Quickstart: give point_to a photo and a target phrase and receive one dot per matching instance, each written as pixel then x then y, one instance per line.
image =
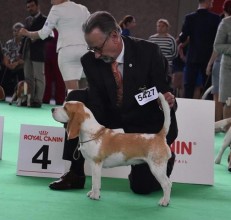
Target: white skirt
pixel 69 62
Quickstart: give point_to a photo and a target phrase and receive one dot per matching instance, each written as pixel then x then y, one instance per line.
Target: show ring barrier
pixel 41 147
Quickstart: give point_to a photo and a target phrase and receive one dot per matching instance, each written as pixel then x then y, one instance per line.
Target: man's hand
pixel 170 98
pixel 23 32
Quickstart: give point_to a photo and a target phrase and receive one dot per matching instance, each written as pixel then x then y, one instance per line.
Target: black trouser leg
pixel 71 152
pixel 142 180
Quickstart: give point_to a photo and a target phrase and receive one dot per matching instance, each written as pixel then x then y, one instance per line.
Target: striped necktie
pixel 119 82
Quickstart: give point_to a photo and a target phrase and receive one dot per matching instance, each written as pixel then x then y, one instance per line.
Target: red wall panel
pixel 217 6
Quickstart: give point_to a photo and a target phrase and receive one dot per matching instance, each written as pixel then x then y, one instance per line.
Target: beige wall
pixel 146 12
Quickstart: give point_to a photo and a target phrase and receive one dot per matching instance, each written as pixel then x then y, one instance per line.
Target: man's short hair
pixel 164 21
pixel 102 20
pixel 29 1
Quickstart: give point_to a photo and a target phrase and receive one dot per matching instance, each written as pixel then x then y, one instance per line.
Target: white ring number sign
pixel 40 151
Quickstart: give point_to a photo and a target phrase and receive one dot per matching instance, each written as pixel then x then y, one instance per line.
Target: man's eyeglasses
pixel 98 49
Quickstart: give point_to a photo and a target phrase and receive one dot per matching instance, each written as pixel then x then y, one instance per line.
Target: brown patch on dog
pixel 133 146
pixel 77 115
pixel 20 89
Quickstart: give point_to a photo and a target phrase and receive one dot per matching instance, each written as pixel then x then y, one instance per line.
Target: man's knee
pixel 142 180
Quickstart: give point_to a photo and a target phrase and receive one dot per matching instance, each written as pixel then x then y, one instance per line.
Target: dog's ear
pixel 73 126
pixel 76 117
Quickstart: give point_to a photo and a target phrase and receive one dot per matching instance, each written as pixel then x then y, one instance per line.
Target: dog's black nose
pixel 52 110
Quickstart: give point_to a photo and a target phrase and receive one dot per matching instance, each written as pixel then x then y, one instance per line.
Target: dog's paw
pixel 93 195
pixel 164 202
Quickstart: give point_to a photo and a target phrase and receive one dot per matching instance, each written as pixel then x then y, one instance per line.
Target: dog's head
pixel 73 113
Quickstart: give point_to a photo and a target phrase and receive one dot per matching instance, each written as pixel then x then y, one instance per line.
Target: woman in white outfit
pixel 67 17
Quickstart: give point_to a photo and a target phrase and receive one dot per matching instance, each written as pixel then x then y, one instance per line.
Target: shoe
pixel 69 180
pixel 35 105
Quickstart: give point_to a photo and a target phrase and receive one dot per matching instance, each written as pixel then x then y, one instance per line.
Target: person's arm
pixel 33 35
pixel 160 74
pixel 6 57
pixel 210 63
pixel 11 65
pixel 174 51
pixel 96 92
pixel 185 31
pixel 220 44
pixel 46 31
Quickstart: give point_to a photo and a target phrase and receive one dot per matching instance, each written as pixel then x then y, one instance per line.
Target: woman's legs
pixel 72 84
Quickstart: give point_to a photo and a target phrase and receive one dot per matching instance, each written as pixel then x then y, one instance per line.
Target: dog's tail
pixel 166 110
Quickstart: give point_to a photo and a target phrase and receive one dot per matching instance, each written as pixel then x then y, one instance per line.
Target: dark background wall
pixel 146 12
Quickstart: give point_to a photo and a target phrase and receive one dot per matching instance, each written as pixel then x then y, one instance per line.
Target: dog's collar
pixel 100 132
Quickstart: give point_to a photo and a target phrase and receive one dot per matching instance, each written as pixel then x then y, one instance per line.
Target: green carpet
pixel 29 198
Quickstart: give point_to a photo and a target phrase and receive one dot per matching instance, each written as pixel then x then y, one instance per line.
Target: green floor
pixel 29 198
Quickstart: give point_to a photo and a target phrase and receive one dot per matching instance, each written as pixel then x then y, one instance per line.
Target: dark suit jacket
pixel 36 47
pixel 144 65
pixel 201 27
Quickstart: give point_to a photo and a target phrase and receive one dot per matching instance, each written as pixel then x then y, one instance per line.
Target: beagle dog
pixel 22 94
pixel 224 126
pixel 107 148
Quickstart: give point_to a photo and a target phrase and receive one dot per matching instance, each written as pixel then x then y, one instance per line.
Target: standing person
pixel 127 24
pixel 67 17
pixel 165 41
pixel 12 61
pixel 113 103
pixel 213 68
pixel 54 80
pixel 201 27
pixel 222 45
pixel 33 54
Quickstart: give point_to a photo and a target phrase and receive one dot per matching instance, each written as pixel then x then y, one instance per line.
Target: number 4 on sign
pixel 43 151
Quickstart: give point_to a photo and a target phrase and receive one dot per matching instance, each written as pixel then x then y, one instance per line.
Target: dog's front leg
pixel 14 97
pixel 28 100
pixel 19 102
pixel 96 169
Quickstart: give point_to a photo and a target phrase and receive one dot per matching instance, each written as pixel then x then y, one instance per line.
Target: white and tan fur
pixel 21 94
pixel 106 148
pixel 224 126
